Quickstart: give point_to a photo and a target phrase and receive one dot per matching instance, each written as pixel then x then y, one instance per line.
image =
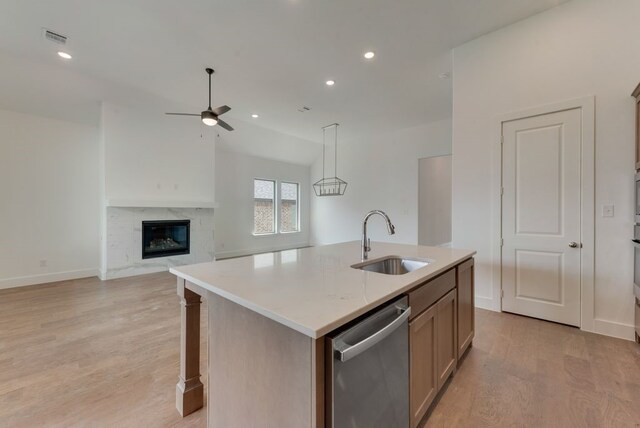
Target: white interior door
pixel 541 216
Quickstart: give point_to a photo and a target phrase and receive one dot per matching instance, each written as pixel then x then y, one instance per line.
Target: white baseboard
pixel 614 329
pixel 221 255
pixel 485 303
pixel 22 281
pixel 604 327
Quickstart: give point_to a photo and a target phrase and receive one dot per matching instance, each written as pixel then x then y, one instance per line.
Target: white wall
pixel 382 173
pixel 234 216
pixel 50 205
pixel 434 201
pixel 151 156
pixel 253 140
pixel 582 48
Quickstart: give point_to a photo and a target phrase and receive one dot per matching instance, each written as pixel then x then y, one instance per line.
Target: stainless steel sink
pixel 392 265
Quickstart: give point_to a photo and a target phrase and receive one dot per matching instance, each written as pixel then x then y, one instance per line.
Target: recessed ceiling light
pixel 369 55
pixel 330 83
pixel 255 116
pixel 64 55
pixel 444 76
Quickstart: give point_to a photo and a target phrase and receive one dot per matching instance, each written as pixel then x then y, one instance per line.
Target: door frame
pixel 587 201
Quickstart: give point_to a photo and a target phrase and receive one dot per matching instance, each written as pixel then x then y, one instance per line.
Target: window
pixel 275 212
pixel 264 207
pixel 289 207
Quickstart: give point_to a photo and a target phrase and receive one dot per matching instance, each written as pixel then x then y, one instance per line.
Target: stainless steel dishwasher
pixel 368 372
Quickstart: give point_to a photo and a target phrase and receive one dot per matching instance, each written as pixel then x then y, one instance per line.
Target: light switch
pixel 607 211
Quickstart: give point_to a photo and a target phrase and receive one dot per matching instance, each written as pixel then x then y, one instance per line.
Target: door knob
pixel 574 245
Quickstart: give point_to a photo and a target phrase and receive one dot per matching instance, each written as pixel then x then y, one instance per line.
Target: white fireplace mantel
pixel 138 203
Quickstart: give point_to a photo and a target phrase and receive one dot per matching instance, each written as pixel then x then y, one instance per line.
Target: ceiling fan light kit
pixel 330 186
pixel 210 116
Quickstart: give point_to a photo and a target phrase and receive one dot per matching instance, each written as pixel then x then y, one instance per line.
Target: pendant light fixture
pixel 330 186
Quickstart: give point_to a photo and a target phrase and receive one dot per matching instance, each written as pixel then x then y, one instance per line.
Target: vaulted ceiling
pixel 271 57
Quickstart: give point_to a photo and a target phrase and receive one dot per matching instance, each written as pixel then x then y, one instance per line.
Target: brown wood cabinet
pixel 441 329
pixel 466 306
pixel 433 341
pixel 636 95
pixel 422 361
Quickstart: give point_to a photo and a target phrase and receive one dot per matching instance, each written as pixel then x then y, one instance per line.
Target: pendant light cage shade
pixel 330 186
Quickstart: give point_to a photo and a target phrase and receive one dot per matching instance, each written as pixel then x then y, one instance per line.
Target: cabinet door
pixel 446 337
pixel 637 320
pixel 466 313
pixel 637 133
pixel 423 384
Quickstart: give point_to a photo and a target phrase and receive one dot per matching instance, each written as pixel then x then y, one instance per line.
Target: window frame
pixel 275 206
pixel 298 227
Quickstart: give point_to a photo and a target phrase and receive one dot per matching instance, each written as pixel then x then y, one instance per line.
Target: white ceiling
pixel 271 56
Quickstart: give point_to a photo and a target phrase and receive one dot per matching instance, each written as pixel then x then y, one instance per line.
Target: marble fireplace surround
pixel 122 249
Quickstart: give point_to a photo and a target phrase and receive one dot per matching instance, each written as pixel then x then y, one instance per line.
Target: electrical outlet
pixel 608 211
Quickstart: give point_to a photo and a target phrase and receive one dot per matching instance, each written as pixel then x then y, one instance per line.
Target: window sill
pixel 276 233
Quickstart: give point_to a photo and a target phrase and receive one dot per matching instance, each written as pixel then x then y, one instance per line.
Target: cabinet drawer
pixel 429 293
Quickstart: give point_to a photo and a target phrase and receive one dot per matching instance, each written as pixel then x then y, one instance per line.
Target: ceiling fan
pixel 210 117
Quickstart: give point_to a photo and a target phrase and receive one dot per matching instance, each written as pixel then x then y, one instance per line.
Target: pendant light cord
pixel 323 150
pixel 335 149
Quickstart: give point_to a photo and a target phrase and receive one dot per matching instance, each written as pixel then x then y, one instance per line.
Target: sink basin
pixel 392 265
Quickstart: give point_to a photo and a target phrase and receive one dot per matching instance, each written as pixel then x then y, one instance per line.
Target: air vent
pixel 54 37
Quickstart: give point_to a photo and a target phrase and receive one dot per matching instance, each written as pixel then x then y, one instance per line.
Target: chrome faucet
pixel 366 242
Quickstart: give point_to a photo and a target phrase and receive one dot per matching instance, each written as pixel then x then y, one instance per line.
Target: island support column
pixel 189 390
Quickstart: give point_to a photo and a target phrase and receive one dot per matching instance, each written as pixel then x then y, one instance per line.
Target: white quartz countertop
pixel 315 290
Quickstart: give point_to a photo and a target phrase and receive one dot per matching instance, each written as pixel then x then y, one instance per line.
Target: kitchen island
pixel 269 315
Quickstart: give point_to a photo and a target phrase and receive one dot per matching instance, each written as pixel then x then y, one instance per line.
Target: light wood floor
pixel 523 372
pixel 91 353
pixel 103 354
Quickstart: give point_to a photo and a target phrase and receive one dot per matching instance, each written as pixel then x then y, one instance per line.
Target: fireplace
pixel 164 238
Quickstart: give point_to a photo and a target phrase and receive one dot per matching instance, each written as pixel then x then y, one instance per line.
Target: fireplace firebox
pixel 162 238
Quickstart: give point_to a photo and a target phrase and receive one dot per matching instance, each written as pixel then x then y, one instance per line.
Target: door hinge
pixel 502 294
pixel 502 242
pixel 502 139
pixel 502 191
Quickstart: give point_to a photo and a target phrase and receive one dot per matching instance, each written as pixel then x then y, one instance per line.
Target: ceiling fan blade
pixel 225 125
pixel 183 114
pixel 221 110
